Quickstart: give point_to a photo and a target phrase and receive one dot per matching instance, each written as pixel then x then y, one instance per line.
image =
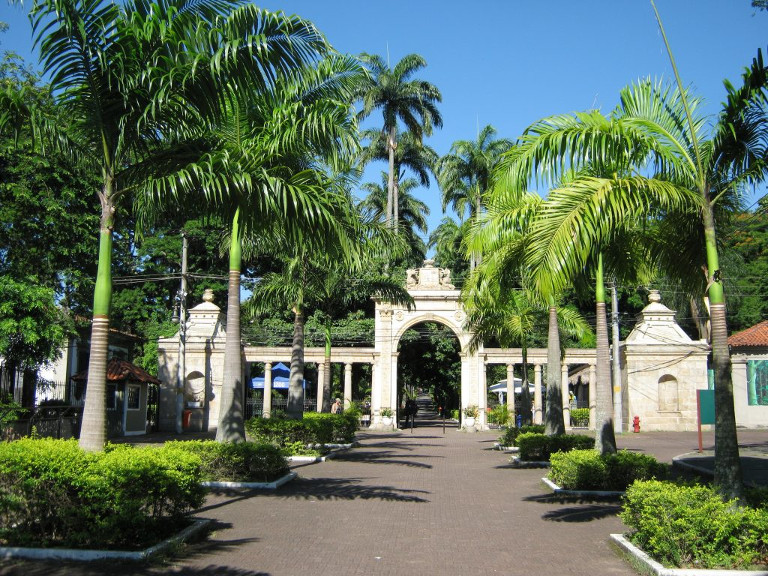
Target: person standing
pixel 336 408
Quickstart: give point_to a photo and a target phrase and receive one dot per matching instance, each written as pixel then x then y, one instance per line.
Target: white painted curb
pixel 563 491
pixel 505 448
pixel 660 570
pixel 332 454
pixel 253 485
pixel 517 463
pixel 90 555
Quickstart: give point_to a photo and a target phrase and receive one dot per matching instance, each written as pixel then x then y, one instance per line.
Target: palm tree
pixel 502 236
pixel 131 77
pixel 410 153
pixel 400 98
pixel 654 124
pixel 412 214
pixel 266 151
pixel 465 173
pixel 447 240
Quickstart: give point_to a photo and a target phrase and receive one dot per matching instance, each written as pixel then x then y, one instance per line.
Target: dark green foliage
pixel 52 493
pixel 241 462
pixel 509 438
pixel 311 429
pixel 589 470
pixel 538 447
pixel 692 526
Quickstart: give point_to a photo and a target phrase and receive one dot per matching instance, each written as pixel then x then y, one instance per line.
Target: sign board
pixel 705 407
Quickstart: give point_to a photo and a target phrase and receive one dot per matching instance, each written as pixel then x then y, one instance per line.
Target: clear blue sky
pixel 510 62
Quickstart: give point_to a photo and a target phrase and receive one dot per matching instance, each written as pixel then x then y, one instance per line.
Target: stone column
pixel 537 415
pixel 266 411
pixel 565 395
pixel 347 385
pixel 511 391
pixel 592 395
pixel 393 388
pixel 320 379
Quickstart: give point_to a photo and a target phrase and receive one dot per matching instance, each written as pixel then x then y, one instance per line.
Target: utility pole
pixel 616 372
pixel 182 295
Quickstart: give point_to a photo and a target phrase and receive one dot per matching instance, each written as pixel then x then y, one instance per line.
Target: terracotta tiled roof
pixel 757 336
pixel 122 371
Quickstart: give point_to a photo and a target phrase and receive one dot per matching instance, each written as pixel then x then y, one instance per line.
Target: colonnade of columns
pixel 267 409
pixel 538 398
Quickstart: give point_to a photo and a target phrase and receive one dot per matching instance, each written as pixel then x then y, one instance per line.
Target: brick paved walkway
pixel 404 503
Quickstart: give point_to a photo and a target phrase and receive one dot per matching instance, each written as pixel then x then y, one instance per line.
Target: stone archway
pixel 435 300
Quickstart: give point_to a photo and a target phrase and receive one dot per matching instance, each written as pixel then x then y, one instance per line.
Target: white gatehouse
pixel 435 300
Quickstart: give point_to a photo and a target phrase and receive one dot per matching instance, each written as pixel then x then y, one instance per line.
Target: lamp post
pixel 181 369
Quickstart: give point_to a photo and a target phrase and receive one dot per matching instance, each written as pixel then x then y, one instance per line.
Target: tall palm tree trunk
pixel 327 375
pixel 391 145
pixel 728 475
pixel 553 420
pixel 526 405
pixel 231 423
pixel 93 431
pixel 295 407
pixel 605 438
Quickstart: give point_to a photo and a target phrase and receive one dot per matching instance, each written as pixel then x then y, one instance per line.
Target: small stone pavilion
pixel 661 369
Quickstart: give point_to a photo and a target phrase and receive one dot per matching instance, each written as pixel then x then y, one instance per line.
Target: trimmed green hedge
pixel 588 470
pixel 241 462
pixel 539 447
pixel 686 526
pixel 509 438
pixel 52 493
pixel 312 429
pixel 580 417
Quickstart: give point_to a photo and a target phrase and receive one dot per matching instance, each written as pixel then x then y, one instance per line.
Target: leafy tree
pixel 447 240
pixel 32 327
pixel 400 98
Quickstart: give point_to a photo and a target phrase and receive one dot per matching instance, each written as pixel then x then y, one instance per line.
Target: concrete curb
pixel 253 485
pixel 517 463
pixel 7 553
pixel 498 446
pixel 585 493
pixel 332 454
pixel 660 570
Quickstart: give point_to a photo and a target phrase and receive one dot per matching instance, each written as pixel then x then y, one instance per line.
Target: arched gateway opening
pixel 435 300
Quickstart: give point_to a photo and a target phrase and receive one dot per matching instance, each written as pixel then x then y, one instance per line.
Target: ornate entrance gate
pixel 435 300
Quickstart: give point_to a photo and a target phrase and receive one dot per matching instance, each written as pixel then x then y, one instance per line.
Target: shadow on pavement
pixel 345 489
pixel 582 513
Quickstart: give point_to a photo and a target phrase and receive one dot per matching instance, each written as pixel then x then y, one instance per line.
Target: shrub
pixel 509 438
pixel 312 429
pixel 455 414
pixel 52 493
pixel 241 462
pixel 538 447
pixel 580 417
pixel 499 415
pixel 588 470
pixel 693 526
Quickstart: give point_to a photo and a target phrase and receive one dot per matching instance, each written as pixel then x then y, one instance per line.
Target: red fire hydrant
pixel 636 424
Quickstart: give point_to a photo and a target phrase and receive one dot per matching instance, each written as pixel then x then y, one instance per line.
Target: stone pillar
pixel 393 388
pixel 320 379
pixel 482 393
pixel 592 395
pixel 537 414
pixel 511 391
pixel 347 385
pixel 566 397
pixel 267 409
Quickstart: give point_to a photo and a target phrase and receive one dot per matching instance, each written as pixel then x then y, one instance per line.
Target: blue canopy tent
pixel 281 378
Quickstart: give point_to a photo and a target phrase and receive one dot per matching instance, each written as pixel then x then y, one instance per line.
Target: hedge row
pixel 692 526
pixel 589 470
pixel 538 447
pixel 312 429
pixel 509 438
pixel 52 493
pixel 242 462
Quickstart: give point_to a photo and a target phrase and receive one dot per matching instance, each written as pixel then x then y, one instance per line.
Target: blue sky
pixel 510 62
